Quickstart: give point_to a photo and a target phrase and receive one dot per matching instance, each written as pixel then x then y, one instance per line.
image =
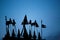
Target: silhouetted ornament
pixel 35 24
pixel 43 26
pixel 25 21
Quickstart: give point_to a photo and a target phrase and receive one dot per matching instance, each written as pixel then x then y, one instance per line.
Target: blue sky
pixel 47 10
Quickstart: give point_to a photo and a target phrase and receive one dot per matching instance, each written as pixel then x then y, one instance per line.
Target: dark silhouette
pixel 30 22
pixel 24 34
pixel 18 33
pixel 34 24
pixel 7 36
pixel 39 37
pixel 24 22
pixel 8 22
pixel 43 25
pixel 30 35
pixel 13 23
pixel 13 35
pixel 34 36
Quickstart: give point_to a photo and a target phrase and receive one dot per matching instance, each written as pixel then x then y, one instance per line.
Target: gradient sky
pixel 47 10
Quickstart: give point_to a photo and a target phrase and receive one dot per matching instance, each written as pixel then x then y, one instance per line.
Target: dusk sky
pixel 47 10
